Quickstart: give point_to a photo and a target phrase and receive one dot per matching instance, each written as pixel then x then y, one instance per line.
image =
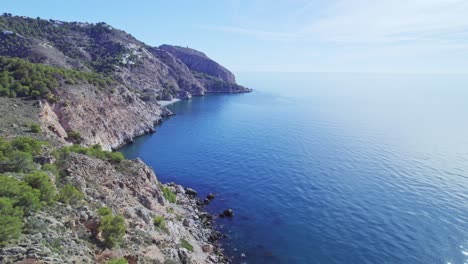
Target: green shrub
pixel 74 136
pixel 17 161
pixel 159 222
pixel 52 168
pixel 5 146
pixel 104 211
pixel 112 228
pixel 94 151
pixel 20 193
pixel 118 261
pixel 41 181
pixel 11 221
pixel 17 155
pixel 169 195
pixel 185 244
pixel 69 195
pixel 35 128
pixel 115 157
pixel 35 225
pixel 28 145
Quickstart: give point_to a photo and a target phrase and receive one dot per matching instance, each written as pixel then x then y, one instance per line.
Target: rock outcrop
pixel 199 62
pixel 110 118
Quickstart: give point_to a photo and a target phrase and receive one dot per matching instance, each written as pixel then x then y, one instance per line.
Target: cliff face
pixel 106 117
pixel 142 75
pixel 199 62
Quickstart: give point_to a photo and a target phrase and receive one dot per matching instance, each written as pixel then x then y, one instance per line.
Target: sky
pixel 383 36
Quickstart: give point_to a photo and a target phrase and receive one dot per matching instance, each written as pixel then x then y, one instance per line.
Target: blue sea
pixel 327 168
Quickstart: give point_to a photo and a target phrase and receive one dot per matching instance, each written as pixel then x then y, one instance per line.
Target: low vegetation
pixel 35 128
pixel 70 195
pixel 94 151
pixel 159 222
pixel 10 221
pixel 17 155
pixel 118 261
pixel 41 181
pixel 185 244
pixel 21 78
pixel 169 195
pixel 74 136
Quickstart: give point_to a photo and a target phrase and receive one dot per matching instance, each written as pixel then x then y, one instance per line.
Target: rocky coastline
pixel 69 234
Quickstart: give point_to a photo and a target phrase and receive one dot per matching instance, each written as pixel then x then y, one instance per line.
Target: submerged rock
pixel 210 196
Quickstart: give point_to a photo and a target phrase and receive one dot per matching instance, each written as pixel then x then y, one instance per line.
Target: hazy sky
pixel 404 36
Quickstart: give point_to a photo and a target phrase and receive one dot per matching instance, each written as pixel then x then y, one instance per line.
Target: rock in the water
pixel 227 213
pixel 190 191
pixel 210 196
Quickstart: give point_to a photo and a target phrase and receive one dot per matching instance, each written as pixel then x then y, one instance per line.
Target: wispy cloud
pixel 366 21
pixel 361 35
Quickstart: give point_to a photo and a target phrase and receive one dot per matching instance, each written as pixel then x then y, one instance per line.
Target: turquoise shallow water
pixel 327 168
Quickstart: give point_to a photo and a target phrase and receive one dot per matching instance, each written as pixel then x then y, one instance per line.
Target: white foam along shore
pixel 166 103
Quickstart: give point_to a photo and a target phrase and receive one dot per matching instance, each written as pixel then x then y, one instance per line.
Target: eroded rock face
pixel 70 234
pixel 199 62
pixel 110 117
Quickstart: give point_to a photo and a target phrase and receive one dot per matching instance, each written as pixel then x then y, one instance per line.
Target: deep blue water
pixel 327 168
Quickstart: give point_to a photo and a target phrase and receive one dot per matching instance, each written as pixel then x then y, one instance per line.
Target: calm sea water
pixel 327 168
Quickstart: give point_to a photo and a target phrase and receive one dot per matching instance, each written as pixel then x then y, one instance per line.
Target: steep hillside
pixel 85 205
pixel 104 49
pixel 100 82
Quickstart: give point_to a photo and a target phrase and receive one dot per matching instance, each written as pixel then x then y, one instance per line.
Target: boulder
pixel 188 222
pixel 227 213
pixel 190 191
pixel 207 248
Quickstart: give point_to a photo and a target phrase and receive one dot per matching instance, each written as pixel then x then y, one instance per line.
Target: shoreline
pixel 202 223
